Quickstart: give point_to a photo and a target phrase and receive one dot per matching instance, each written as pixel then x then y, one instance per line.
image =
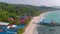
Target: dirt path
pixel 30 28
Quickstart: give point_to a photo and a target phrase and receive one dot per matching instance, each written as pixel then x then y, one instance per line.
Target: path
pixel 30 28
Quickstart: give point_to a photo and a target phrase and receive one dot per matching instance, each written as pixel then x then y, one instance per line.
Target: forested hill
pixel 19 9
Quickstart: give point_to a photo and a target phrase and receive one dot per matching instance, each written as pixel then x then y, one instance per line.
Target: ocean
pixel 42 29
pixel 54 16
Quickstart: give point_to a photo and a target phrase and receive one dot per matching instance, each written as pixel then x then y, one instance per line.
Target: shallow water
pixel 42 29
pixel 54 16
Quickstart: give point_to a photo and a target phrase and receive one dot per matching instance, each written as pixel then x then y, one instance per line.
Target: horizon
pixel 33 5
pixel 49 3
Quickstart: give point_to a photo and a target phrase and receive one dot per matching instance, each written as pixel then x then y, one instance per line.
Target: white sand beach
pixel 30 28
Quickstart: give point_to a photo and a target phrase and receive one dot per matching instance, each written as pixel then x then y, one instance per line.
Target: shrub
pixel 20 31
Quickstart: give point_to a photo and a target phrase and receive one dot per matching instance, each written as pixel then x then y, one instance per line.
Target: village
pixel 7 28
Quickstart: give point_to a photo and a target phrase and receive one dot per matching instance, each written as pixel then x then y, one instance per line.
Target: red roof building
pixel 22 20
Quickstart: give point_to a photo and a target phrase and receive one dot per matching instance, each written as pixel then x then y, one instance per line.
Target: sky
pixel 34 2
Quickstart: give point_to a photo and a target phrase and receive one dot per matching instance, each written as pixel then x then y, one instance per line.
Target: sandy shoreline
pixel 30 28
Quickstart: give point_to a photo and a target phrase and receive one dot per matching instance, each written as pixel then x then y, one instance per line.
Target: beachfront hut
pixel 3 26
pixel 22 21
pixel 4 30
pixel 4 23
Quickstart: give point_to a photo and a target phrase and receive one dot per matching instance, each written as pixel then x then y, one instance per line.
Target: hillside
pixel 13 10
pixel 19 9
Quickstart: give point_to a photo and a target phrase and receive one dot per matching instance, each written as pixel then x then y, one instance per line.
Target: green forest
pixel 13 10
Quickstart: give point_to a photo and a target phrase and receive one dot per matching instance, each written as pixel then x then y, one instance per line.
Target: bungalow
pixel 4 28
pixel 4 23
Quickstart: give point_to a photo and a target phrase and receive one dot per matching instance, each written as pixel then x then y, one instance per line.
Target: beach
pixel 32 25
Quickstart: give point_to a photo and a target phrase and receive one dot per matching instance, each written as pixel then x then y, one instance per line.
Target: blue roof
pixel 7 31
pixel 2 27
pixel 12 30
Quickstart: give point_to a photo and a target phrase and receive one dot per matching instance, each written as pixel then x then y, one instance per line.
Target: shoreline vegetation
pixel 33 23
pixel 13 12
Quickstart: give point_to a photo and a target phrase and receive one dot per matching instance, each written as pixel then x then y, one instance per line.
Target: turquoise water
pixel 54 16
pixel 51 16
pixel 43 29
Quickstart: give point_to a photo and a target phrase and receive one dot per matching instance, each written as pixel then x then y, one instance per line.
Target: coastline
pixel 30 28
